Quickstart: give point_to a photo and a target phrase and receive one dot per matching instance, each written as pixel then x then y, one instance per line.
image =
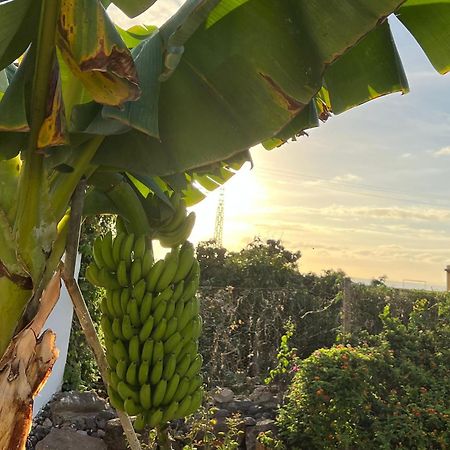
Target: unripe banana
pixel 117 329
pixel 126 249
pixel 177 218
pixel 122 276
pixel 172 386
pixel 108 280
pixel 179 288
pixel 168 314
pixel 106 249
pixel 182 390
pixel 196 401
pixel 144 369
pixel 154 274
pixel 116 247
pixel 126 391
pixel 160 310
pixel 178 236
pixel 197 325
pixel 159 331
pixel 146 329
pixel 170 412
pixel 97 253
pixel 170 268
pixel 139 247
pixel 124 298
pixel 158 352
pixel 115 400
pixel 186 316
pixel 113 379
pixel 161 297
pixel 156 373
pixel 170 364
pixel 190 347
pixel 92 274
pixel 133 312
pixel 179 308
pixel 131 375
pixel 119 350
pixel 147 350
pixel 171 328
pixel 189 290
pixel 105 323
pixel 145 396
pixel 172 342
pixel 139 291
pixel 116 303
pixel 111 360
pixel 136 271
pixel 196 382
pixel 109 304
pixel 128 330
pixel 146 307
pixel 139 422
pixel 121 368
pixel 147 263
pixel 159 392
pixel 184 407
pixel 154 418
pixel 132 408
pixel 134 349
pixel 183 365
pixel 195 366
pixel 104 308
pixel 185 261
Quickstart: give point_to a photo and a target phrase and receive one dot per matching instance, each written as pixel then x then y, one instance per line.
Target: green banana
pixel 126 249
pixel 182 389
pixel 156 372
pixel 111 360
pixel 128 331
pixel 145 396
pixel 154 274
pixel 132 408
pixel 163 296
pixel 146 307
pixel 109 304
pixel 106 251
pixel 146 329
pixel 134 349
pixel 172 386
pixel 178 236
pixel 183 365
pixel 126 391
pixel 170 268
pixel 131 375
pixel 116 303
pixel 147 350
pixel 119 350
pixel 139 422
pixel 104 307
pixel 105 323
pixel 170 364
pixel 124 297
pixel 159 392
pixel 196 401
pixel 171 328
pixel 168 314
pixel 121 368
pixel 177 218
pixel 117 328
pixel 185 261
pixel 170 412
pixel 195 366
pixel 172 342
pixel 115 400
pixel 113 379
pixel 143 372
pixel 116 246
pixel 190 347
pixel 158 352
pixel 97 253
pixel 122 276
pixel 196 382
pixel 160 310
pixel 154 418
pixel 179 288
pixel 133 312
pixel 189 290
pixel 183 408
pixel 147 263
pixel 136 271
pixel 108 280
pixel 159 331
pixel 139 247
pixel 186 316
pixel 139 291
pixel 92 274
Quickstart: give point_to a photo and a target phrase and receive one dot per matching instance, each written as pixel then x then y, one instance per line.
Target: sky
pixel 368 192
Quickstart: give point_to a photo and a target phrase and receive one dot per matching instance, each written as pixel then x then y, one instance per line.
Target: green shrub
pixel 390 391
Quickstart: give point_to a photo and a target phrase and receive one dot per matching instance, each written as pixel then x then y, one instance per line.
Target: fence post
pixel 346 306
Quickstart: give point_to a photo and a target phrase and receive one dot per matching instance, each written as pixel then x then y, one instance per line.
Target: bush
pixel 389 391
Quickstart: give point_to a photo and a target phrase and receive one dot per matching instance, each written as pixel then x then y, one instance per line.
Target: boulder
pixel 223 395
pixel 68 439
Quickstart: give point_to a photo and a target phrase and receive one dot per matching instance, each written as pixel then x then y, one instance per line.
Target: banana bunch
pixel 174 225
pixel 151 323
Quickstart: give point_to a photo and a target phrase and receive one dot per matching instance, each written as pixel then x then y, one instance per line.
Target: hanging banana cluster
pixel 151 324
pixel 172 225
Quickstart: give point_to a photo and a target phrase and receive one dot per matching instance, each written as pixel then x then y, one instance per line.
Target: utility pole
pixel 218 229
pixel 447 269
pixel 346 306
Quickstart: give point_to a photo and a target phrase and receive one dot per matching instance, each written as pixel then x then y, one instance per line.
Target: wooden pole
pixel 80 307
pixel 346 306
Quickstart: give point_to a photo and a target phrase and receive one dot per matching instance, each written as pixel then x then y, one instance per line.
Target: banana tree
pixel 148 110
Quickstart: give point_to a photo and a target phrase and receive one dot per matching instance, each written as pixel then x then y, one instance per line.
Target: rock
pixel 249 421
pixel 69 440
pixel 223 395
pixel 266 425
pixel 47 423
pixel 114 437
pixel 222 413
pixel 263 394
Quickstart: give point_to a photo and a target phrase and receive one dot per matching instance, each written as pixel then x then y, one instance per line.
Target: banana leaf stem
pixel 163 437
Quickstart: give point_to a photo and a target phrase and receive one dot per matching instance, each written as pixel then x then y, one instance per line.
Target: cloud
pixel 444 151
pixel 347 178
pixel 406 155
